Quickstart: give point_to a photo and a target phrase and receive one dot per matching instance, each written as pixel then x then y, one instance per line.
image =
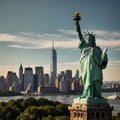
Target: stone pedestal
pixel 90 110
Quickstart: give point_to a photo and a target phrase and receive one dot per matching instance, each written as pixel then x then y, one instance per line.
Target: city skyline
pixel 27 29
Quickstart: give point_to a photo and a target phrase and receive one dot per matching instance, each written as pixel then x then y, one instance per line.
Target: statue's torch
pixel 76 19
pixel 77 16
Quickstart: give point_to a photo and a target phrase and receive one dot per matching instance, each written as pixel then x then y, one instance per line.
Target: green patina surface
pixel 92 61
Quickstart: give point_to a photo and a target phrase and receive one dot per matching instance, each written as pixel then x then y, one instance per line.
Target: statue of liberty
pixel 92 61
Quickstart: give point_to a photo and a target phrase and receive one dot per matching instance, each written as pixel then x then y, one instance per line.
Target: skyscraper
pixel 39 71
pixel 77 74
pixel 46 79
pixel 53 65
pixel 35 82
pixel 2 83
pixel 10 79
pixel 21 76
pixel 28 79
pixel 69 75
pixel 69 78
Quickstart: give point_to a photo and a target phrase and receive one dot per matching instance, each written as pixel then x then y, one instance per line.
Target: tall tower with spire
pixel 21 76
pixel 53 65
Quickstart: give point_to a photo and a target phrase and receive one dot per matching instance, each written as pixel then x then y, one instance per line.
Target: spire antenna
pixel 52 44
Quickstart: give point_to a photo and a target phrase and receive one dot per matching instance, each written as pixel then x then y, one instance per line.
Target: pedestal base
pixel 89 111
pixel 90 101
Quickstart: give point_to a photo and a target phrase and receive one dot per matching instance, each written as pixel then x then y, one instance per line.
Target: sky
pixel 28 27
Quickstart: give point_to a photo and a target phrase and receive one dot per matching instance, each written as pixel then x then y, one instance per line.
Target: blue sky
pixel 28 27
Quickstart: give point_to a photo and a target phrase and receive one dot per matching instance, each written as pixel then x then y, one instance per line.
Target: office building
pixel 62 74
pixel 46 79
pixel 21 77
pixel 69 78
pixel 53 65
pixel 10 79
pixel 15 87
pixel 35 82
pixel 39 71
pixel 2 83
pixel 63 85
pixel 28 79
pixel 57 85
pixel 77 74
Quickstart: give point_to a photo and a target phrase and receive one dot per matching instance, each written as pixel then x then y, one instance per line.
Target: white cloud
pixel 63 39
pixel 109 34
pixel 108 43
pixel 69 32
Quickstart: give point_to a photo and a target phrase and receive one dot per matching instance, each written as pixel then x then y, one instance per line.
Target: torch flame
pixel 77 13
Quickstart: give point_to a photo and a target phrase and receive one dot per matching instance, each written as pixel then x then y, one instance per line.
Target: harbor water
pixel 66 99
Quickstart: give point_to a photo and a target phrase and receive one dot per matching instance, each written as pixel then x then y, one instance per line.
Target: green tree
pixel 32 109
pixel 118 116
pixel 24 117
pixel 48 118
pixel 43 102
pixel 113 117
pixel 56 118
pixel 9 113
pixel 50 110
pixel 62 118
pixel 30 102
pixel 32 113
pixel 63 109
pixel 15 104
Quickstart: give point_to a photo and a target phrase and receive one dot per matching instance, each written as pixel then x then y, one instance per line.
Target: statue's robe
pixel 91 65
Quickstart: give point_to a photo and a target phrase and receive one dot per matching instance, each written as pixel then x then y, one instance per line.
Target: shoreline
pixel 6 93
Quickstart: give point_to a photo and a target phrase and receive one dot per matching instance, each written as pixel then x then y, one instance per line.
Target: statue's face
pixel 90 40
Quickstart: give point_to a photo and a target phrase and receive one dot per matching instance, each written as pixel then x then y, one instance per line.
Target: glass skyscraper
pixel 53 65
pixel 28 79
pixel 21 76
pixel 39 71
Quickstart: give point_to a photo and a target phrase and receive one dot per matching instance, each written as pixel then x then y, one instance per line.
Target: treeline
pixel 117 117
pixel 33 109
pixel 8 93
pixel 36 109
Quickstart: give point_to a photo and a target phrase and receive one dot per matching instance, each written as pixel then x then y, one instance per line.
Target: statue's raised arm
pixel 76 19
